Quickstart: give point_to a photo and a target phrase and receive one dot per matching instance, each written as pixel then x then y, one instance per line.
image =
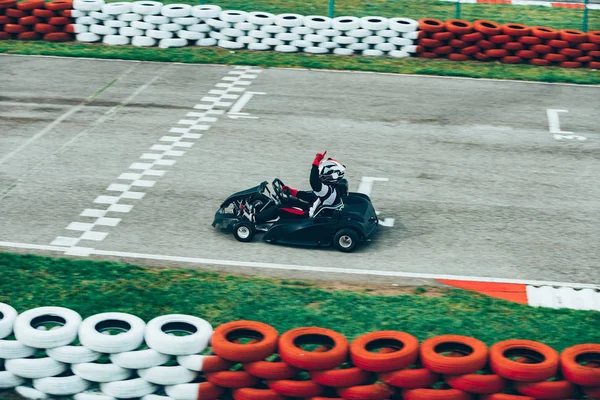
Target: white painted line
pixel 120 208
pixel 191 135
pixel 154 172
pixel 179 130
pixel 165 162
pixel 94 213
pixel 553 120
pixel 106 221
pixel 151 156
pixel 143 183
pixel 80 226
pixel 130 176
pixel 174 153
pixel 117 187
pixel 305 268
pixel 161 147
pixel 65 241
pixel 133 195
pixel 241 103
pixel 143 166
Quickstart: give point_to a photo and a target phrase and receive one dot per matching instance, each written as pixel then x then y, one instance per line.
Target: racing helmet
pixel 331 171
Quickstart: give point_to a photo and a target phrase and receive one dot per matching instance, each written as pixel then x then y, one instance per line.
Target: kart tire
pixel 345 240
pixel 404 352
pixel 503 365
pixel 244 231
pixel 256 394
pixel 573 364
pixel 224 345
pixel 186 391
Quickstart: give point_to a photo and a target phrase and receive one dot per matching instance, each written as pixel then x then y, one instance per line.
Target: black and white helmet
pixel 331 171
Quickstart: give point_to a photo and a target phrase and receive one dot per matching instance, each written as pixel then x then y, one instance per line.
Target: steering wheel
pixel 278 190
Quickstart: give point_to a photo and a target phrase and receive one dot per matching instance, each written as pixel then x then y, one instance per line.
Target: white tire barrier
pixel 143 41
pixel 176 10
pixel 167 375
pixel 101 16
pixel 116 8
pixel 143 25
pixel 358 46
pixel 103 30
pixel 287 36
pixel 101 372
pixel 61 386
pixel 260 18
pixel 186 391
pixel 78 13
pixel 399 54
pixel 374 23
pixel 8 315
pixel 286 48
pixel 245 26
pixel 139 359
pixel 329 45
pixel 88 5
pixel 116 40
pixel 130 17
pixel 346 23
pixel 258 34
pixel 328 32
pixel 273 29
pixel 344 40
pixel 302 30
pixel 73 354
pixel 410 49
pixel 157 19
pixel 301 43
pixel 219 36
pixel 343 51
pixel 232 16
pixel 272 42
pixel 317 22
pixel 246 40
pixel 217 23
pixel 206 11
pixel 33 368
pixel 403 24
pixel 259 46
pixel 130 31
pixel 189 35
pixel 359 33
pixel 202 27
pixel 198 331
pixel 26 323
pixel 78 28
pixel 86 20
pixel 316 50
pixel 373 40
pixel 157 34
pixel 387 33
pixel 92 395
pixel 186 21
pixel 315 38
pixel 30 393
pixel 400 41
pixel 88 37
pixel 233 32
pixel 289 20
pixel 8 380
pixel 127 389
pixel 206 42
pixel 172 42
pixel 372 52
pixel 146 7
pixel 411 35
pixel 385 47
pixel 170 27
pixel 230 44
pixel 115 23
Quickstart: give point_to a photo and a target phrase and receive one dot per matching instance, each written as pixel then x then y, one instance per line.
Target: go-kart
pixel 343 226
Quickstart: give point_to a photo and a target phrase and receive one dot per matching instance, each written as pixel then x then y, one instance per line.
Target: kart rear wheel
pixel 244 231
pixel 345 240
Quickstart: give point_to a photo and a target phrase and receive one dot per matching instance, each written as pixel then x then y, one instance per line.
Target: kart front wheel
pixel 244 231
pixel 345 240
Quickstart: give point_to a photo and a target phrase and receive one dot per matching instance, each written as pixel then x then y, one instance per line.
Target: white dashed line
pixel 167 146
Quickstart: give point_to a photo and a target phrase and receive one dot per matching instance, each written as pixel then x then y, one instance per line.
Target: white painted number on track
pixel 554 126
pixel 366 187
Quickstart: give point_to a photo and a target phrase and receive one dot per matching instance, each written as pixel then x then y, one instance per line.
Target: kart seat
pixel 328 211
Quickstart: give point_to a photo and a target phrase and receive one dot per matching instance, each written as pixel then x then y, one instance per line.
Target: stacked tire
pixel 36 20
pixel 485 40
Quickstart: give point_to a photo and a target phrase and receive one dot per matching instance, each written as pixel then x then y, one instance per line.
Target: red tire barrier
pixel 573 36
pixel 29 20
pixel 579 364
pixel 502 396
pixel 431 43
pixel 474 354
pixel 544 369
pixel 428 54
pixel 569 52
pixel 43 13
pixel 30 4
pixel 468 51
pixel 458 57
pixel 513 46
pixel 487 27
pixel 231 379
pixel 296 388
pixel 15 13
pixel 539 62
pixel 255 394
pixel 5 36
pixel 216 364
pixel 45 28
pixel 556 390
pixel 530 40
pixel 208 391
pixel 29 36
pixel 588 46
pixel 476 383
pixel 500 39
pixel 59 21
pixel 341 377
pixel 458 44
pixel 472 37
pixel 7 3
pixel 6 20
pixel 410 378
pixel 376 391
pixel 541 48
pixel 594 37
pixel 516 29
pixel 511 60
pixel 271 370
pixel 555 58
pixel 486 44
pixel 594 53
pixel 431 25
pixel 482 56
pixel 543 32
pixel 225 341
pixel 592 392
pixel 291 352
pixel 584 59
pixel 526 54
pixel 405 346
pixel 558 43
pixel 444 35
pixel 459 26
pixel 14 28
pixel 443 50
pixel 435 394
pixel 56 5
pixel 496 53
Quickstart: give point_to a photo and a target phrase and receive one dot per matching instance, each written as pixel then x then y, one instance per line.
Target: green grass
pixel 214 55
pixel 91 287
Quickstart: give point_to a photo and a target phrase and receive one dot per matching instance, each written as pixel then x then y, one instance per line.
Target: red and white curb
pixel 580 296
pixel 530 3
pixel 144 174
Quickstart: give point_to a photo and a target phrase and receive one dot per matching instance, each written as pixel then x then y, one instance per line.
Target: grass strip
pixel 214 55
pixel 91 287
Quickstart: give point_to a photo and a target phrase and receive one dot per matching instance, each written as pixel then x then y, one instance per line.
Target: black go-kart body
pixel 343 226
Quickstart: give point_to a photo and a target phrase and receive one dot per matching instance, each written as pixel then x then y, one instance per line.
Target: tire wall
pixel 53 351
pixel 151 23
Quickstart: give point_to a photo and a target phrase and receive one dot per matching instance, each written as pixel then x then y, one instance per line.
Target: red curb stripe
pixel 514 292
pixel 568 5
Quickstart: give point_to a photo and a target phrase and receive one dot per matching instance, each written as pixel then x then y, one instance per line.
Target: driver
pixel 324 174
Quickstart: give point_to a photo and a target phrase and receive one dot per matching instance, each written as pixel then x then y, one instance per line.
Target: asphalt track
pixel 479 177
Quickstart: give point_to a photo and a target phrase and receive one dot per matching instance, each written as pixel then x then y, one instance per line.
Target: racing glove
pixel 318 158
pixel 290 190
